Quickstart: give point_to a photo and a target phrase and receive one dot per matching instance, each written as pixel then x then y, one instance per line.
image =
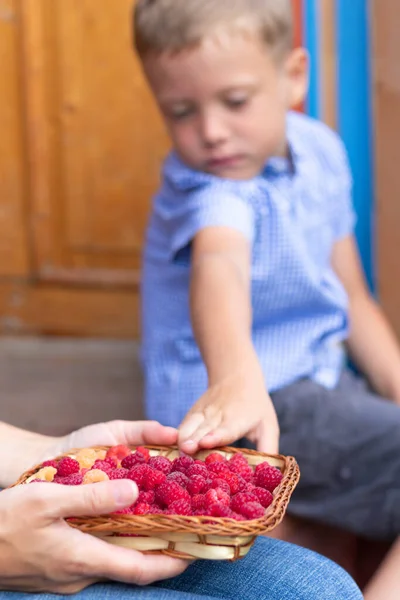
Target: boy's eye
pixel 237 102
pixel 180 113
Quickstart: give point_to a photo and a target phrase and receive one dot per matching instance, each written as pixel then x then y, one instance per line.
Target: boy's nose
pixel 213 130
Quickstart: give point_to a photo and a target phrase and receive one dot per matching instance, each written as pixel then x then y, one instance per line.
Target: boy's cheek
pixel 187 145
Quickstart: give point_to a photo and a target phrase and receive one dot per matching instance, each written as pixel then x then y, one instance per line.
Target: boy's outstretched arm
pixel 237 403
pixel 372 343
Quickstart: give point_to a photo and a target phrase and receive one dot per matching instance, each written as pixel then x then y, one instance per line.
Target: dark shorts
pixel 347 443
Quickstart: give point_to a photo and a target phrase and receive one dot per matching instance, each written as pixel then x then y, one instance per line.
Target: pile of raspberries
pixel 216 487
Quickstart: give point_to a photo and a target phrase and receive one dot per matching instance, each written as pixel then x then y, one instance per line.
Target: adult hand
pixel 114 433
pixel 39 552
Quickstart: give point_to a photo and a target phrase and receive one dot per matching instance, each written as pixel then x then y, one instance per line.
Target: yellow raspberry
pixel 46 474
pixel 95 476
pixel 101 454
pixel 86 458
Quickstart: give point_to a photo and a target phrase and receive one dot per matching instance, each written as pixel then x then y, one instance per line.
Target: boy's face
pixel 225 102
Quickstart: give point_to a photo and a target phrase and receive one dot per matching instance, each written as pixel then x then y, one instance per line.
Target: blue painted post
pixel 355 116
pixel 311 42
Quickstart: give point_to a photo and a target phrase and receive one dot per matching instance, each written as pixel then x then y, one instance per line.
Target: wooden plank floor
pixel 54 386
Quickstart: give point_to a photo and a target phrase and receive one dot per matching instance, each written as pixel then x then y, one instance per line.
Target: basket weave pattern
pixel 197 536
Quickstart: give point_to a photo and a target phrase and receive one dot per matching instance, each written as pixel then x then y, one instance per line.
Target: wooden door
pixel 86 147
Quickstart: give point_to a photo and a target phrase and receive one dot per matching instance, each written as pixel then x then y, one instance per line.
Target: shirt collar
pixel 287 165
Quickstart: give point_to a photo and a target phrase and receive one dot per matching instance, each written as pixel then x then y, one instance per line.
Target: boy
pixel 251 280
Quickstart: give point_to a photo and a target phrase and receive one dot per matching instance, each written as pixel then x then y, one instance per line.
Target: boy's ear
pixel 297 71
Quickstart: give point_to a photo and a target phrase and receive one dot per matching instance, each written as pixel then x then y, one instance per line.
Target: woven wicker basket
pixel 191 537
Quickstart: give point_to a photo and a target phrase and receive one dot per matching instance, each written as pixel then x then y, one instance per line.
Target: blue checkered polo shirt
pixel 292 214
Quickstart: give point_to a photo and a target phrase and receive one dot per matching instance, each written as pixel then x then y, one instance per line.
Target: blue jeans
pixel 273 570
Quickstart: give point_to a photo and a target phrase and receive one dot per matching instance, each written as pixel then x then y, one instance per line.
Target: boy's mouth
pixel 225 162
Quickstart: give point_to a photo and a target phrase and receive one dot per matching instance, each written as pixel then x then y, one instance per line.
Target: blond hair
pixel 174 25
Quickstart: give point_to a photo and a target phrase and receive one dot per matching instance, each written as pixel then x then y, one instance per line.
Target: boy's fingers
pixel 268 439
pixel 219 437
pixel 266 435
pixel 190 424
pixel 190 444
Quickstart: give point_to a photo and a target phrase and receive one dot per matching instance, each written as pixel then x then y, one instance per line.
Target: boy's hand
pixel 238 406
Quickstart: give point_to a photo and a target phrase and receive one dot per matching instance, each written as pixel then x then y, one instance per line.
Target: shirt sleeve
pixel 212 206
pixel 344 215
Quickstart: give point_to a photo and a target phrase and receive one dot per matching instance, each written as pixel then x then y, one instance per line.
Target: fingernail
pixel 125 492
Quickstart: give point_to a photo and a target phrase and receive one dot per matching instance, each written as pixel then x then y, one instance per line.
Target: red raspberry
pixel 73 479
pixel 147 497
pixel 179 478
pixel 242 483
pixel 153 479
pixel 214 457
pixel 133 460
pixel 235 482
pixel 118 474
pixel 67 466
pixel 268 478
pixel 217 497
pixel 221 484
pixel 253 510
pixel 138 474
pixel 198 502
pixel 103 465
pixel 111 461
pixel 182 463
pixel 145 452
pixel 141 509
pixel 50 463
pixel 238 457
pixel 238 517
pixel 196 485
pixel 241 499
pixel 160 463
pixel 265 497
pixel 123 511
pixel 155 510
pixel 199 462
pixel 261 466
pixel 180 507
pixel 241 468
pixel 118 453
pixel 207 485
pixel 221 510
pixel 170 491
pixel 197 469
pixel 218 467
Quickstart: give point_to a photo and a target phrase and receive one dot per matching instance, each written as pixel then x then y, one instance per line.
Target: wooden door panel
pixel 13 240
pixel 104 139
